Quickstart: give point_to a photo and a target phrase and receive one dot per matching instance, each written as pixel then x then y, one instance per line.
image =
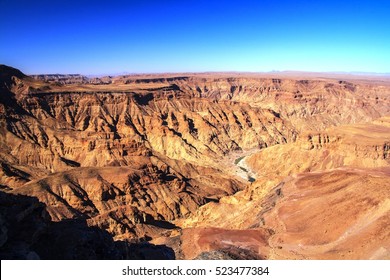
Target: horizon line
pixel 125 73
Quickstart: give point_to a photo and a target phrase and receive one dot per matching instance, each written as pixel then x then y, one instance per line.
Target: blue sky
pixel 108 37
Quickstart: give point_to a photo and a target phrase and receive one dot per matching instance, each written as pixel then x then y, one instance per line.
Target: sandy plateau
pixel 194 166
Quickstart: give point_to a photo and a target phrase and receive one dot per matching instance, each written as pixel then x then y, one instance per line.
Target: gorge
pixel 194 166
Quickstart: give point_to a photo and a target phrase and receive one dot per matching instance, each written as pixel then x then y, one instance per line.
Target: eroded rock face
pixel 107 129
pixel 132 160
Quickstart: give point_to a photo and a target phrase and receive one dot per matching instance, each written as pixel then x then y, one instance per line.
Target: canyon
pixel 194 166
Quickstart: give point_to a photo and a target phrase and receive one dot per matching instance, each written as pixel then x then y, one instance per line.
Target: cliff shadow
pixel 27 232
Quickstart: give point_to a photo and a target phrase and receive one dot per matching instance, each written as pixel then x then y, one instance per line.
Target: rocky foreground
pixel 200 166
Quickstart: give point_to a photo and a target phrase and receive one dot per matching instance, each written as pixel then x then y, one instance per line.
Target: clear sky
pixel 110 37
